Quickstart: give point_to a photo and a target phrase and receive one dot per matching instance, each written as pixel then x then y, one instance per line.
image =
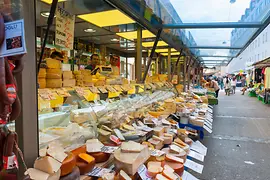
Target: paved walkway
pixel 239 147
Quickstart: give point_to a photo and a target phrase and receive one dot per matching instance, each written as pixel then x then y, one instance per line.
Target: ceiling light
pixel 172 54
pixel 45 14
pixel 107 18
pixel 133 34
pixel 131 49
pixel 50 1
pixel 151 44
pixel 115 40
pixel 165 50
pixel 89 30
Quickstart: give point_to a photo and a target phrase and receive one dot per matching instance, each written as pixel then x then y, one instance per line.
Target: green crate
pixel 260 98
pixel 252 94
pixel 213 101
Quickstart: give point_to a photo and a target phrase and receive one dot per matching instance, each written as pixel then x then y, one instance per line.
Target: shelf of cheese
pixel 127 131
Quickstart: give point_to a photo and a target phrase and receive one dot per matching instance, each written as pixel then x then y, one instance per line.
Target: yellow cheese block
pixel 42 83
pixel 67 75
pixel 54 74
pixel 69 82
pixel 58 101
pixel 53 63
pixel 54 83
pixel 79 77
pixel 77 72
pixel 42 73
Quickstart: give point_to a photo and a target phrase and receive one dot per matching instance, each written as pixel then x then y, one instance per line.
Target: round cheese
pixel 182 154
pixel 68 164
pixel 100 156
pixel 78 150
pixel 75 174
pixel 177 167
pixel 84 166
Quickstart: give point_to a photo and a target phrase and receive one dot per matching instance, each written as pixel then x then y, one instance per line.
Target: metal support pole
pixel 177 62
pixel 169 66
pixel 188 76
pixel 152 54
pixel 138 63
pixel 156 65
pixel 178 73
pixel 126 67
pixel 27 124
pixel 185 73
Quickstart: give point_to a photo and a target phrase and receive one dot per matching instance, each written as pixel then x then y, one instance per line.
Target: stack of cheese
pixel 87 78
pixel 54 73
pixel 68 79
pixel 42 78
pixel 79 78
pixel 54 163
pixel 170 106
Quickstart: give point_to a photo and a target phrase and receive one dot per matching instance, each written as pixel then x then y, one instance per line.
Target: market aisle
pixel 240 144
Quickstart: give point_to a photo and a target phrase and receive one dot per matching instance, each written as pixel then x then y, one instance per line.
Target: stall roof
pixel 206 30
pixel 263 63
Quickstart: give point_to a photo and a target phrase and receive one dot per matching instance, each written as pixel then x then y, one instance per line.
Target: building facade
pixel 259 48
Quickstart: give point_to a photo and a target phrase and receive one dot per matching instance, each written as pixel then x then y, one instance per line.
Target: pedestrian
pixel 214 84
pixel 227 86
pixel 233 83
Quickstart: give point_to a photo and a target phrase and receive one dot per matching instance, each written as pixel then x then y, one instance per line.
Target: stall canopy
pixel 263 63
pixel 210 32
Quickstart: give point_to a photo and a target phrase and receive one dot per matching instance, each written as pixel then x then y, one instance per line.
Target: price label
pixel 109 149
pixel 188 176
pixel 99 172
pixel 196 155
pixel 194 166
pixel 142 171
pixel 157 153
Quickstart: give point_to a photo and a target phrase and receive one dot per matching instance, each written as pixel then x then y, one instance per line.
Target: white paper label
pixel 109 149
pixel 142 171
pixel 199 147
pixel 99 172
pixel 194 166
pixel 196 155
pixel 157 153
pixel 188 176
pixel 64 28
pixel 207 129
pixel 14 42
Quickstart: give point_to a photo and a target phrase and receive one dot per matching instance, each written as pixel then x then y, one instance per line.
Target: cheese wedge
pixel 172 158
pixel 87 158
pixel 160 177
pixel 175 149
pixel 170 175
pixel 157 138
pixel 179 141
pixel 47 164
pixel 103 132
pixel 36 174
pixel 93 145
pixel 123 176
pixel 57 153
pixel 131 147
pixel 106 128
pixel 168 168
pixel 152 171
pixel 168 135
pixel 128 127
pixel 153 163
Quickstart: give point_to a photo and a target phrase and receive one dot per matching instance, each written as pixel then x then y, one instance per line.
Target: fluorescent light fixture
pixel 151 44
pixel 133 34
pixel 172 54
pixel 165 50
pixel 50 1
pixel 107 18
pixel 131 49
pixel 90 30
pixel 115 40
pixel 45 14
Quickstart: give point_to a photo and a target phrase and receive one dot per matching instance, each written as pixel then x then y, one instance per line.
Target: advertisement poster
pixel 14 42
pixel 64 31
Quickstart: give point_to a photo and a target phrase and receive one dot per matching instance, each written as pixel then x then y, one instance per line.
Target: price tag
pixel 199 147
pixel 157 153
pixel 188 176
pixel 207 123
pixel 147 129
pixel 142 171
pixel 207 129
pixel 109 149
pixel 194 166
pixel 196 155
pixel 99 172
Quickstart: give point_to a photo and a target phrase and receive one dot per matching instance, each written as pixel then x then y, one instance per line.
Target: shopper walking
pixel 227 86
pixel 233 83
pixel 214 84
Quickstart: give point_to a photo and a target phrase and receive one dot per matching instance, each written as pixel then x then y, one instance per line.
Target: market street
pixel 239 146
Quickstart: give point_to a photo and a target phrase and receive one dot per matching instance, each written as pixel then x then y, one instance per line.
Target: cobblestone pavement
pixel 239 147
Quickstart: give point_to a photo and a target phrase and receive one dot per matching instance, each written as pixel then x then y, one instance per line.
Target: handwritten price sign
pixel 64 33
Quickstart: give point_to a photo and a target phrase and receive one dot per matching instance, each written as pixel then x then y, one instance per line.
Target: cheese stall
pixel 98 118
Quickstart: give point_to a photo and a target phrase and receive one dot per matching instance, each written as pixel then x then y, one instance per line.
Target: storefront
pixel 99 72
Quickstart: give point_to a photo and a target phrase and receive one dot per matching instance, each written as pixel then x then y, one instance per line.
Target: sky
pixel 199 11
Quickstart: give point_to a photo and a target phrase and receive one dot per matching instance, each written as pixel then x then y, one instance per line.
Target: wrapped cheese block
pixel 67 75
pixel 54 83
pixel 53 63
pixel 75 174
pixel 42 83
pixel 54 74
pixel 42 73
pixel 130 157
pixel 69 82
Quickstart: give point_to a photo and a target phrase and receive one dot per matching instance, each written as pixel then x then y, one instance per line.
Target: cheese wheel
pixel 78 150
pixel 167 139
pixel 68 165
pixel 100 156
pixel 173 158
pixel 75 174
pixel 177 167
pixel 86 158
pixel 85 167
